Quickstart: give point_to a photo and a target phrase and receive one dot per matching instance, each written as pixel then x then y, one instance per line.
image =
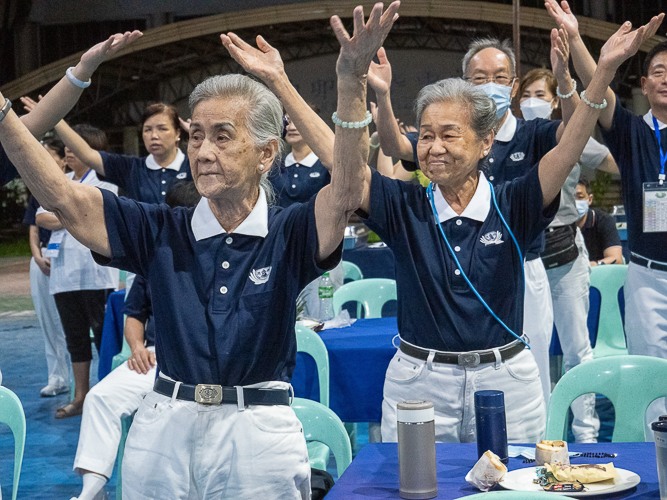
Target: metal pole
pixel 516 30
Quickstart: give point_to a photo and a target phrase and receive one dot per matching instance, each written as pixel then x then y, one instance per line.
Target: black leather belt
pixel 651 264
pixel 210 394
pixel 468 359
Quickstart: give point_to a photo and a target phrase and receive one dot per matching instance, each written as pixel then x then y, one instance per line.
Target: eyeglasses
pixel 481 80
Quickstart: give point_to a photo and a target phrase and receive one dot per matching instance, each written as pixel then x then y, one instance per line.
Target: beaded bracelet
pixel 591 104
pixel 373 146
pixel 360 124
pixel 567 96
pixel 75 81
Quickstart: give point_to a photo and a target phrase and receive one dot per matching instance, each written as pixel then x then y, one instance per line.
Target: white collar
pixel 174 165
pixel 477 209
pixel 308 161
pixel 507 131
pixel 648 118
pixel 205 225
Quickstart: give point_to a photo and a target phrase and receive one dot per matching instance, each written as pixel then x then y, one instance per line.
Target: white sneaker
pixel 53 390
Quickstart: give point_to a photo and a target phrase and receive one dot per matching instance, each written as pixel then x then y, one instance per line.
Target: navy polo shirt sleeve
pixel 606 229
pixel 8 171
pixel 137 302
pixel 118 168
pixel 30 212
pixel 413 165
pixel 545 135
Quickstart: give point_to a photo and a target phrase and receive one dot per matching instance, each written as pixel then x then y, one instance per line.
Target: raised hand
pixel 356 53
pixel 103 51
pixel 379 75
pixel 563 16
pixel 560 53
pixel 185 124
pixel 264 62
pixel 625 43
pixel 29 103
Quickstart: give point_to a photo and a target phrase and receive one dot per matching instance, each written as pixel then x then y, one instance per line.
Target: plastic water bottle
pixel 325 293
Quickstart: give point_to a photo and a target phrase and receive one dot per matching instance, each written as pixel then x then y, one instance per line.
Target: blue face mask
pixel 500 95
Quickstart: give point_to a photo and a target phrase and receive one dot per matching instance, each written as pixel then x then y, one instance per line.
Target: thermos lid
pixel 489 399
pixel 662 417
pixel 660 426
pixel 415 411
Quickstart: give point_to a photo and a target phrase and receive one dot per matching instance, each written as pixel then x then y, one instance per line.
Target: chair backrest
pixel 310 342
pixel 523 495
pixel 371 293
pixel 11 413
pixel 631 383
pixel 611 339
pixel 323 425
pixel 351 271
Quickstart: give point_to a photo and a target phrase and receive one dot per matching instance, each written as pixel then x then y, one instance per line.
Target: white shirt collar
pixel 506 132
pixel 308 161
pixel 174 165
pixel 648 118
pixel 205 225
pixel 477 209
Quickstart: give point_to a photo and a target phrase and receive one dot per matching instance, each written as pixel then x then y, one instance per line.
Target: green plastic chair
pixel 611 339
pixel 372 294
pixel 11 413
pixel 631 383
pixel 323 425
pixel 519 495
pixel 351 271
pixel 310 342
pixel 126 423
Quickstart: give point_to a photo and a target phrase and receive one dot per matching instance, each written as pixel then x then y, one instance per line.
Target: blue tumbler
pixel 490 423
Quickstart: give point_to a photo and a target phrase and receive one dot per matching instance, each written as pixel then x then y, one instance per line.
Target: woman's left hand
pixel 103 51
pixel 356 53
pixel 625 43
pixel 560 53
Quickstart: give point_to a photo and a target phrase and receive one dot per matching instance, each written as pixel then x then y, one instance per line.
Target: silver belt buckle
pixel 469 359
pixel 208 394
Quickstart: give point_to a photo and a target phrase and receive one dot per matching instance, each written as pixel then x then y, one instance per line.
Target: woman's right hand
pixel 563 16
pixel 379 75
pixel 103 51
pixel 264 62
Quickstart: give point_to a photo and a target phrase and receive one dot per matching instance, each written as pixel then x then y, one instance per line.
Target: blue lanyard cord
pixel 85 175
pixel 663 156
pixel 429 194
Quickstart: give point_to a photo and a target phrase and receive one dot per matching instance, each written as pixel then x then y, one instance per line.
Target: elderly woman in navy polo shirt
pixel 224 278
pixel 147 178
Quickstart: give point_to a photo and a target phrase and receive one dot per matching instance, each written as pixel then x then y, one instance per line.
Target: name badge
pixel 53 249
pixel 655 207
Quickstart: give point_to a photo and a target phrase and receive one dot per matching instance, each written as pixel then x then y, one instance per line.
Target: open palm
pixel 103 51
pixel 379 75
pixel 625 43
pixel 560 52
pixel 563 16
pixel 263 62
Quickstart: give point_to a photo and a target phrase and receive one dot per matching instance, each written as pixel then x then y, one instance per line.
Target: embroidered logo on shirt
pixel 182 175
pixel 492 238
pixel 315 174
pixel 260 276
pixel 518 156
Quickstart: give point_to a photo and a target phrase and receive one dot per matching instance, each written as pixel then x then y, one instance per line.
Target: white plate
pixel 522 480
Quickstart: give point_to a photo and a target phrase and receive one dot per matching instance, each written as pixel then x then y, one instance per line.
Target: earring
pixel 261 167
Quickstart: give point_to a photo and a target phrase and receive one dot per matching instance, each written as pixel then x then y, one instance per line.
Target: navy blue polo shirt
pixel 142 178
pixel 224 304
pixel 29 220
pixel 436 307
pixel 8 171
pixel 633 145
pixel 297 182
pixel 138 306
pixel 518 146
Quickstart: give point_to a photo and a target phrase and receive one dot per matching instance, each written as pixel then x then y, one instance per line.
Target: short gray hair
pixel 489 43
pixel 264 119
pixel 481 108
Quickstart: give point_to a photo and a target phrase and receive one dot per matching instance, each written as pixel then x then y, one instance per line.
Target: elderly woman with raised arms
pixel 224 278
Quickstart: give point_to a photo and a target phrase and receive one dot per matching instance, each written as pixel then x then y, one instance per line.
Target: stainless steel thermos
pixel 416 450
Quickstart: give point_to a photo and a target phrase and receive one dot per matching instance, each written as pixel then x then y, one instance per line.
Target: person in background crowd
pixel 57 357
pixel 79 286
pixel 565 257
pixel 637 144
pixel 119 394
pixel 598 228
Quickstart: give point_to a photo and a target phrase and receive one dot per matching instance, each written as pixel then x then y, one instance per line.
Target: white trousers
pixel 570 285
pixel 645 293
pixel 184 450
pixel 451 388
pixel 116 396
pixel 538 319
pixel 55 347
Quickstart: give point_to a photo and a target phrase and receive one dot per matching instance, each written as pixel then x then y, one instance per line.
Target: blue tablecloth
pixel 374 262
pixel 112 334
pixel 358 359
pixel 374 472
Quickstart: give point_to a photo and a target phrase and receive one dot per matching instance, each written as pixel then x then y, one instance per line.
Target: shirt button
pixel 164 182
pixel 163 193
pixel 457 272
pixel 458 222
pixel 164 170
pixel 491 178
pixel 296 175
pixel 457 249
pixel 293 186
pixel 223 289
pixel 229 240
pixel 490 160
pixel 225 265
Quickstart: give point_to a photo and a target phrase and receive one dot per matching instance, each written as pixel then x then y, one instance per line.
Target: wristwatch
pixel 5 109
